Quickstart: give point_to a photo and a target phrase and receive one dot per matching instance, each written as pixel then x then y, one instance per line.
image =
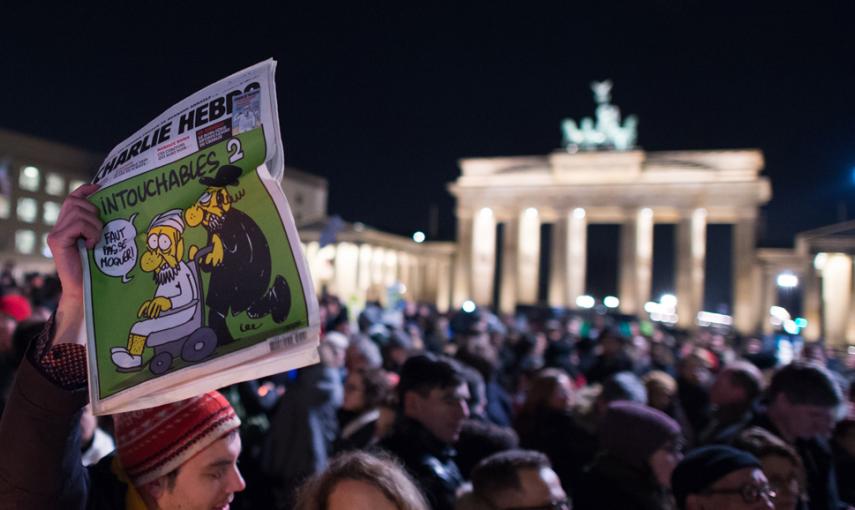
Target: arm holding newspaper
pixel 41 467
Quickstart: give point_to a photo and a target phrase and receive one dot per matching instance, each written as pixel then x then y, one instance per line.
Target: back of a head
pixel 148 450
pixel 423 372
pixel 805 383
pixel 703 467
pixel 623 386
pixel 481 439
pixel 746 376
pixel 379 471
pixel 500 472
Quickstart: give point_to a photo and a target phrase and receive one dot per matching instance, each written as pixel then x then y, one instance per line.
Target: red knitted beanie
pixel 154 442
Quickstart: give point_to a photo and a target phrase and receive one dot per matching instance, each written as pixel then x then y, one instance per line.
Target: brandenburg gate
pixel 601 178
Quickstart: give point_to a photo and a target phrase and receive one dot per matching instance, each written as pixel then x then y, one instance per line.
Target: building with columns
pixel 358 263
pixel 635 189
pixel 819 270
pixel 366 264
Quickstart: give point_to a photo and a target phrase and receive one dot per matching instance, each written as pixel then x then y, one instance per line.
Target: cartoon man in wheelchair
pixel 171 322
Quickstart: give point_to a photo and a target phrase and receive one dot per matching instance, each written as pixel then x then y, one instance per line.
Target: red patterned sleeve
pixel 63 364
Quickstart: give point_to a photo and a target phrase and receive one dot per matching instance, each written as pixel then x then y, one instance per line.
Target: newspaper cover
pixel 198 280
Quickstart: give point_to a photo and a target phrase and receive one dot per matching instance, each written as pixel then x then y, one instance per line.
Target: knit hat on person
pixel 16 307
pixel 154 442
pixel 632 432
pixel 703 467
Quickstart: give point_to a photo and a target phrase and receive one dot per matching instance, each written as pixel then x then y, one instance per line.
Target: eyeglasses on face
pixel 750 492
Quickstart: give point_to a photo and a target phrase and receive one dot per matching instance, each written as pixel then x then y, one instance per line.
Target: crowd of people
pixel 410 408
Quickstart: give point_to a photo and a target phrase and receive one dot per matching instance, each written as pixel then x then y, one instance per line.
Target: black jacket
pixel 428 460
pixel 611 484
pixel 40 467
pixel 569 447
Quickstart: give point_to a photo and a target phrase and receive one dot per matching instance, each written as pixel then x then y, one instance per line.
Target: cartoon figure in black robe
pixel 239 259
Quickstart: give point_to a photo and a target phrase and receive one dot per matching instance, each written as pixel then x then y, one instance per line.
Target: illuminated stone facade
pixel 35 177
pixel 635 189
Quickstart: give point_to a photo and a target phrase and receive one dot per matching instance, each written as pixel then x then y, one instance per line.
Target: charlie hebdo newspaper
pixel 198 280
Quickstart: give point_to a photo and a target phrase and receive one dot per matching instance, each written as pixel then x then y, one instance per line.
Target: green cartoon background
pixel 115 304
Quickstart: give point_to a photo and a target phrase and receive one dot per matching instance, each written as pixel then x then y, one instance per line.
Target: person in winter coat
pixel 190 464
pixel 639 449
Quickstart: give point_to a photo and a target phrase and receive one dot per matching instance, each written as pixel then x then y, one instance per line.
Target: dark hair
pixel 500 472
pixel 170 478
pixel 425 372
pixel 381 471
pixel 623 386
pixel 480 439
pixel 746 376
pixel 477 388
pixel 805 383
pixel 375 386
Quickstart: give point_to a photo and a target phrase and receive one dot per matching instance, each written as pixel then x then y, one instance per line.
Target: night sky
pixel 383 99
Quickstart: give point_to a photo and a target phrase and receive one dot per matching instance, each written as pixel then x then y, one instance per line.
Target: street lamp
pixel 787 280
pixel 585 301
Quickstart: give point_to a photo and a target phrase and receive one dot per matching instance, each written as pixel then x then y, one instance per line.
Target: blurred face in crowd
pixel 784 479
pixel 349 494
pixel 354 393
pixel 743 489
pixel 694 369
pixel 723 391
pixel 802 421
pixel 539 488
pixel 441 412
pixel 207 481
pixel 562 397
pixel 663 461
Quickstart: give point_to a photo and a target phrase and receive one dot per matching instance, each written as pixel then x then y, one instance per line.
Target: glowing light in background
pixel 419 237
pixel 468 306
pixel 585 301
pixel 611 302
pixel 787 280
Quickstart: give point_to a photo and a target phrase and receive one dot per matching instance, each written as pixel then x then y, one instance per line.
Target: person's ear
pixel 155 489
pixel 412 403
